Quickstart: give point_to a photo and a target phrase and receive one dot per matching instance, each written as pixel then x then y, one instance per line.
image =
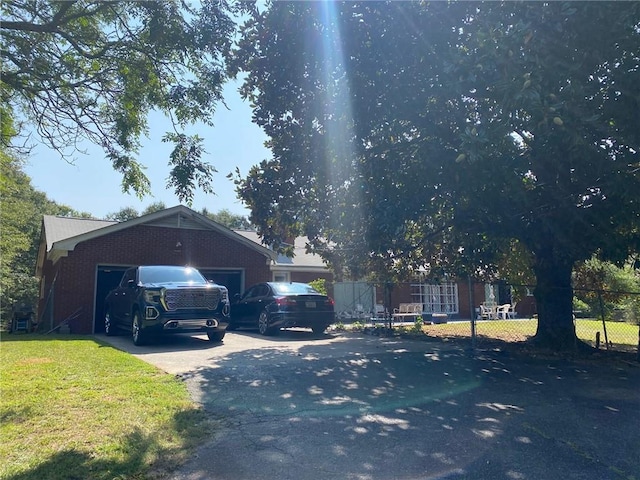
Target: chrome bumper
pixel 191 324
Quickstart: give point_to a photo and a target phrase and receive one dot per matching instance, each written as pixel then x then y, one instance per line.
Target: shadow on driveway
pixel 360 407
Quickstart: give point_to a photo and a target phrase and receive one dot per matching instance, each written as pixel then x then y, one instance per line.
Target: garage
pixel 108 277
pixel 81 260
pixel 232 279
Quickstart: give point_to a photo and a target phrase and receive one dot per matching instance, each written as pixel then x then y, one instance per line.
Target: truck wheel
pixel 216 336
pixel 137 332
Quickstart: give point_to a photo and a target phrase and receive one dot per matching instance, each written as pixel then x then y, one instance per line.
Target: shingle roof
pixel 301 258
pixel 61 228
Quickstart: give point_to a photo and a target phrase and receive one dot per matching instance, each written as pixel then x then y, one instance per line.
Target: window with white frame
pixel 436 298
pixel 281 277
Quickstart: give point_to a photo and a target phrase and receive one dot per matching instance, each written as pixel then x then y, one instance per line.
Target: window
pixel 440 298
pixel 293 288
pixel 128 275
pixel 170 274
pixel 490 295
pixel 281 277
pixel 257 291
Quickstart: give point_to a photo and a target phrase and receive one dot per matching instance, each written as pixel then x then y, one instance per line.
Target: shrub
pixel 417 325
pixel 357 325
pixel 320 284
pixel 581 306
pixel 608 290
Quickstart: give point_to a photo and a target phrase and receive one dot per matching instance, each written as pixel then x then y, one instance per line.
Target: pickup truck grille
pixel 193 298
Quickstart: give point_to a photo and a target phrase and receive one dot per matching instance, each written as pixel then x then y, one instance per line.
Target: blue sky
pixel 91 185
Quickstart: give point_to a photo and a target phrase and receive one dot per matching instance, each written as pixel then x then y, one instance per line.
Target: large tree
pixel 230 220
pixel 78 71
pixel 21 220
pixel 450 135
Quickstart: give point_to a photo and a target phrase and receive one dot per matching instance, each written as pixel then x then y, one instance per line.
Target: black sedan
pixel 271 306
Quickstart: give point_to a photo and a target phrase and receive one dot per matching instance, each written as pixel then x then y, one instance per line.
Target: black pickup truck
pixel 155 300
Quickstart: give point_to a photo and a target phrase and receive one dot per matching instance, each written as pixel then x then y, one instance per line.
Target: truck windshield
pixel 171 275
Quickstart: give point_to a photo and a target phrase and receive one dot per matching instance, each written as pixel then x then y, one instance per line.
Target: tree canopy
pixel 448 135
pixel 129 213
pixel 228 219
pixel 84 70
pixel 223 217
pixel 21 219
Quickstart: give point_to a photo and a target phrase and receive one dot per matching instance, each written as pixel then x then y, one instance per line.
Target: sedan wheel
pixel 136 330
pixel 263 324
pixel 318 329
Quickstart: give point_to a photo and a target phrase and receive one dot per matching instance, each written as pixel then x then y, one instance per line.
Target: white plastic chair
pixel 379 312
pixel 485 312
pixel 503 311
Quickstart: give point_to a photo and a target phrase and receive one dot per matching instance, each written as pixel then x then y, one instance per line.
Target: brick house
pixel 81 260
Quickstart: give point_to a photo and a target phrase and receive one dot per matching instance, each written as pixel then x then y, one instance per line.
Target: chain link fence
pixel 483 313
pixel 604 319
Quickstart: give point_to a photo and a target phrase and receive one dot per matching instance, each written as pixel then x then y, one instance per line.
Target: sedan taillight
pixel 285 301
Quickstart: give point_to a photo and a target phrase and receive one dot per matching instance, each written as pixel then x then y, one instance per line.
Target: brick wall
pixel 139 245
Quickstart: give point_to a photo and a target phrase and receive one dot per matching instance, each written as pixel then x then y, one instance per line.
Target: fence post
pixel 604 323
pixel 472 311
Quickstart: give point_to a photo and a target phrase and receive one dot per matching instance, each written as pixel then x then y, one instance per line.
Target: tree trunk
pixel 554 299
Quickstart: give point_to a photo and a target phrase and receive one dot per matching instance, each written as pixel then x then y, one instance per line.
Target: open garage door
pixel 232 279
pixel 108 278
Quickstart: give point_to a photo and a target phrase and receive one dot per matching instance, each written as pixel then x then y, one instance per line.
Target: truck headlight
pixel 225 295
pixel 152 296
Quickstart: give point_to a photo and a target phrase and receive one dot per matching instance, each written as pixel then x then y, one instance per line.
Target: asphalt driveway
pixel 347 406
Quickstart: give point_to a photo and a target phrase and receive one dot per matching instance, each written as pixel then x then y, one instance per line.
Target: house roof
pixel 301 258
pixel 62 228
pixel 62 234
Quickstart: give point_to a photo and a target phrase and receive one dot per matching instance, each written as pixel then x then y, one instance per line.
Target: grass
pixel 73 407
pixel 623 335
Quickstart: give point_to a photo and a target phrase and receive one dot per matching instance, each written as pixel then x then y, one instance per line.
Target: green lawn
pixel 75 408
pixel 620 335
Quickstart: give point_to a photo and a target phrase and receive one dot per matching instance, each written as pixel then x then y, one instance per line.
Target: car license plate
pixel 310 304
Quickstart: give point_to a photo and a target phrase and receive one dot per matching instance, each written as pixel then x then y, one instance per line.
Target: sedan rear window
pixel 295 288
